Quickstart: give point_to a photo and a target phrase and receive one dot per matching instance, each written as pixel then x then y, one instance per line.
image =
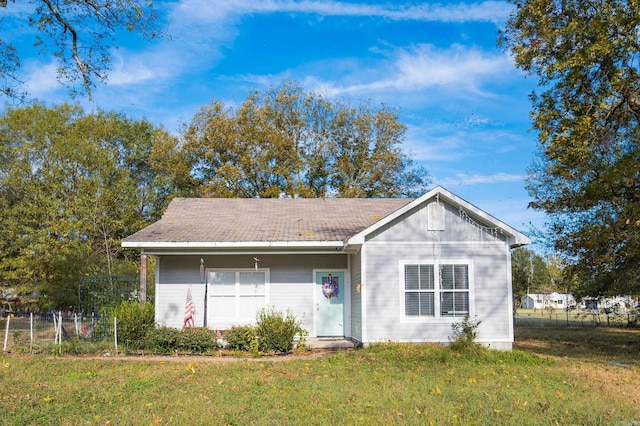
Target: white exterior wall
pixel 407 240
pixel 291 283
pixel 356 297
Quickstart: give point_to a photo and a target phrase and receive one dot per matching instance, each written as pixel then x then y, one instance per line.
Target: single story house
pixel 365 270
pixel 549 300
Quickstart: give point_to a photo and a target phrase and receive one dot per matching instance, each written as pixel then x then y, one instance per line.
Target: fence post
pixel 6 332
pixel 115 333
pixel 55 328
pixel 60 332
pixel 31 331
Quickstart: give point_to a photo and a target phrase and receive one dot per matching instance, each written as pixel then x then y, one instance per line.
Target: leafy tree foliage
pixel 284 142
pixel 586 56
pixel 72 185
pixel 81 34
pixel 529 273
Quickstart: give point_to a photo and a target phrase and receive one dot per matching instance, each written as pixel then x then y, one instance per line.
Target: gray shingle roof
pixel 207 220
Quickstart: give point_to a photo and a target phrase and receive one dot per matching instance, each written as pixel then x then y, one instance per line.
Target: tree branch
pixel 84 71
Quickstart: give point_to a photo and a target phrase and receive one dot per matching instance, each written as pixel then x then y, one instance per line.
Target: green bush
pixel 197 340
pixel 103 328
pixel 161 340
pixel 134 322
pixel 165 340
pixel 465 333
pixel 241 338
pixel 275 331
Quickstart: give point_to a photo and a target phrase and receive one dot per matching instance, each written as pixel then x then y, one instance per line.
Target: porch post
pixel 143 278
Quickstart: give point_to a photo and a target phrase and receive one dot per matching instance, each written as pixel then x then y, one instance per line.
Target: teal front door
pixel 330 289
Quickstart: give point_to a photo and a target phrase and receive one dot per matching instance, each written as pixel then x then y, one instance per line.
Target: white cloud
pixel 473 179
pixel 487 11
pixel 41 79
pixel 456 69
pixel 134 70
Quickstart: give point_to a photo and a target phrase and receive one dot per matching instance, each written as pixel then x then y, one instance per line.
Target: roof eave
pixel 232 244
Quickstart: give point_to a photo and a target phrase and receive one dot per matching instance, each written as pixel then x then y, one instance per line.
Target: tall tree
pixel 586 56
pixel 81 34
pixel 72 186
pixel 529 273
pixel 284 142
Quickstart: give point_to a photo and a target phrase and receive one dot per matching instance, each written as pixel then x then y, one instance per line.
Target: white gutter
pixel 232 244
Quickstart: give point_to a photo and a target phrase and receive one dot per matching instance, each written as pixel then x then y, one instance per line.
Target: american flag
pixel 189 311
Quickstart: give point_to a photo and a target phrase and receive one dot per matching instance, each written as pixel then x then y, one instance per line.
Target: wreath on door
pixel 330 287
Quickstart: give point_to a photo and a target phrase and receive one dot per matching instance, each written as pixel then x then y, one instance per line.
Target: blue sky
pixel 464 102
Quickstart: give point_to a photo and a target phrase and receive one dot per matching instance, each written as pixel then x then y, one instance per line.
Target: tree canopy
pixel 72 185
pixel 284 142
pixel 585 54
pixel 80 35
pixel 529 273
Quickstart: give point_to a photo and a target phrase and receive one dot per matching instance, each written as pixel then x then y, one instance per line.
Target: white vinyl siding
pixel 423 298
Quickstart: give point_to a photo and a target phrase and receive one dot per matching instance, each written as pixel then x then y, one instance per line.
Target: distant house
pixel 617 303
pixel 366 270
pixel 550 300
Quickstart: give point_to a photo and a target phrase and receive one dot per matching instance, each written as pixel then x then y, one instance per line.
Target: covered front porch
pixel 229 288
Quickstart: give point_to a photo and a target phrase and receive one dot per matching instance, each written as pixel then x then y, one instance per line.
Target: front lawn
pixel 389 383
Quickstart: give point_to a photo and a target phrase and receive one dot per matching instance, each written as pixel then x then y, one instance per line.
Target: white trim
pixel 232 253
pixel 347 299
pixel 510 294
pixel 363 294
pixel 437 318
pixel 233 244
pixel 516 239
pixel 439 243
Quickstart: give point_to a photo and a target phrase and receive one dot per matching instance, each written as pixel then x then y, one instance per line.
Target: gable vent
pixel 435 217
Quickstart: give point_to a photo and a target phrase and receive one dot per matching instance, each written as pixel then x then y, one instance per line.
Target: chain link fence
pixel 28 332
pixel 576 318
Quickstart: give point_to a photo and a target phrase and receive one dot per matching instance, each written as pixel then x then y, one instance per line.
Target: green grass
pixel 574 380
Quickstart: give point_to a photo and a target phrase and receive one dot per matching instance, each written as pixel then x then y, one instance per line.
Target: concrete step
pixel 330 343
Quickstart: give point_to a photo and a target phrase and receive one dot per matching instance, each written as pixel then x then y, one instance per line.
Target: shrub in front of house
pixel 241 338
pixel 161 340
pixel 465 333
pixel 275 331
pixel 133 322
pixel 166 340
pixel 197 340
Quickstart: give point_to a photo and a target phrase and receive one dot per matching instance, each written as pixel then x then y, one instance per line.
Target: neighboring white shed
pixel 548 300
pixel 369 270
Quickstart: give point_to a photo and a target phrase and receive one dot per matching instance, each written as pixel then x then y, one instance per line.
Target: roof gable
pixel 514 237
